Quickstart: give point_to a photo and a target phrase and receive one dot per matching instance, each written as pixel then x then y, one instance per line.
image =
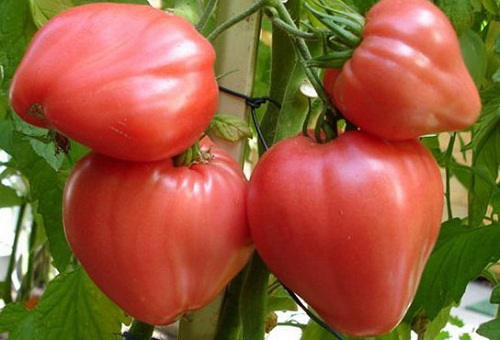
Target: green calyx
pixel 341 32
pixel 194 155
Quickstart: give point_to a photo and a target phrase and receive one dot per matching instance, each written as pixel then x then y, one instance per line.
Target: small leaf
pixel 490 329
pixel 281 303
pixel 495 294
pixel 43 10
pixel 230 127
pixel 8 197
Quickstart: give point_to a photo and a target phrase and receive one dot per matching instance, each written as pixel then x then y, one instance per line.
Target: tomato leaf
pixel 486 147
pixel 12 316
pixel 72 307
pixel 17 29
pixel 43 10
pixel 229 127
pixel 474 54
pixel 459 256
pixel 46 187
pixel 490 329
pixel 460 12
pixel 8 197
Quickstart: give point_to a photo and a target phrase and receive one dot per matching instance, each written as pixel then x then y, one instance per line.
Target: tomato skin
pixel 348 225
pixel 407 78
pixel 158 240
pixel 128 81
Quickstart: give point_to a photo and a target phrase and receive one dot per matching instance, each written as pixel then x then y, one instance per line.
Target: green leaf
pixel 46 187
pixel 8 197
pixel 43 10
pixel 492 6
pixel 495 294
pixel 72 307
pixel 281 303
pixel 16 30
pixel 460 12
pixel 474 54
pixel 486 161
pixel 229 127
pixel 11 317
pixel 138 2
pixel 459 256
pixel 490 329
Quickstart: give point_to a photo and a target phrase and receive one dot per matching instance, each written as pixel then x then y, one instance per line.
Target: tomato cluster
pixel 159 239
pixel 349 224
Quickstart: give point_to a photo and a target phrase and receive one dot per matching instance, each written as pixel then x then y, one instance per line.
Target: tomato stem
pixel 207 13
pixel 7 297
pixel 449 156
pixel 234 20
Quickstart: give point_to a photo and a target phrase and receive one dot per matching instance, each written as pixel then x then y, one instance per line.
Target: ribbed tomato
pixel 348 225
pixel 159 240
pixel 129 81
pixel 407 77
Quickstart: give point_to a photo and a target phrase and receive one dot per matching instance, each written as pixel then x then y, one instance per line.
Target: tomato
pixel 159 240
pixel 348 225
pixel 129 81
pixel 407 77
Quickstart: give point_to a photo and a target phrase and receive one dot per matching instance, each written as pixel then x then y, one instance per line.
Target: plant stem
pixel 141 331
pixel 449 153
pixel 27 284
pixel 207 12
pixel 302 52
pixel 229 327
pixel 7 297
pixel 234 20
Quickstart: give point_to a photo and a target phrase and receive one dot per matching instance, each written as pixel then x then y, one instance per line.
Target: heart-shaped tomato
pixel 159 240
pixel 407 77
pixel 129 81
pixel 348 225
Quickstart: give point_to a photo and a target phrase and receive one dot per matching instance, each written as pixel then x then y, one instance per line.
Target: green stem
pixel 303 53
pixel 229 327
pixel 236 19
pixel 449 153
pixel 27 284
pixel 207 12
pixel 7 297
pixel 254 300
pixel 141 331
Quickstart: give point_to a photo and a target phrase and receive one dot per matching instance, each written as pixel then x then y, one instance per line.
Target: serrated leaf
pixel 46 187
pixel 490 329
pixel 486 148
pixel 11 317
pixel 8 197
pixel 230 127
pixel 17 28
pixel 459 256
pixel 72 307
